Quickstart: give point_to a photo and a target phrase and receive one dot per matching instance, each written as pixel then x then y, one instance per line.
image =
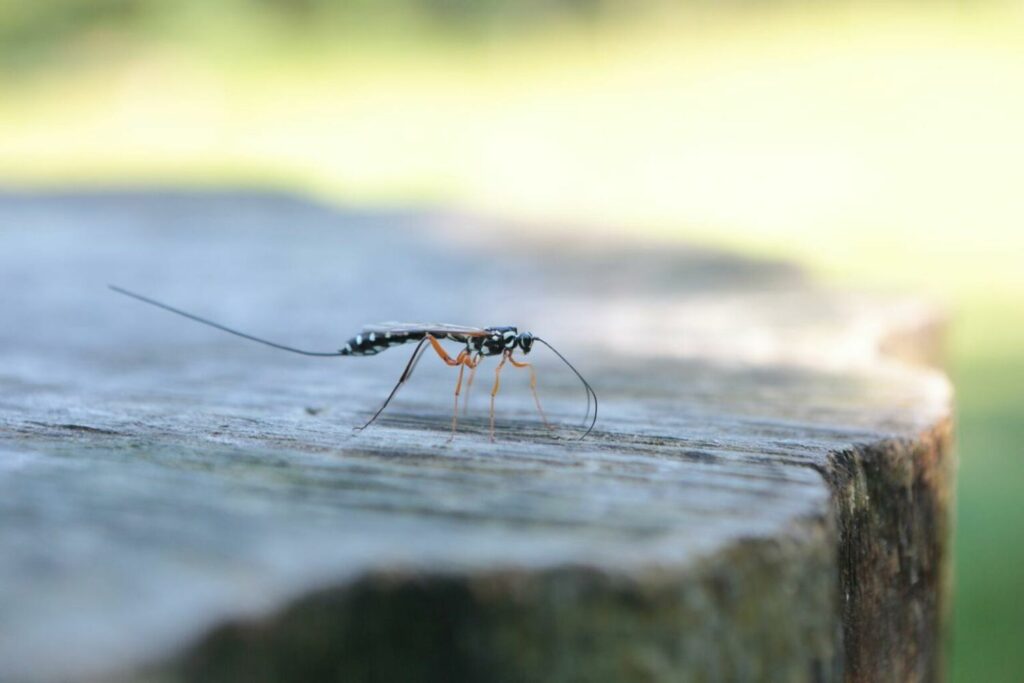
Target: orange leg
pixel 469 384
pixel 533 387
pixel 494 391
pixel 461 360
pixel 444 354
pixel 413 361
pixel 462 357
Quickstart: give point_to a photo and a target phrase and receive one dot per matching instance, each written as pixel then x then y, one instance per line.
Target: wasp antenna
pixel 204 321
pixel 586 385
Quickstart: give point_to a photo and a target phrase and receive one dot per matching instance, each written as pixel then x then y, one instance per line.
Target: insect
pixel 479 343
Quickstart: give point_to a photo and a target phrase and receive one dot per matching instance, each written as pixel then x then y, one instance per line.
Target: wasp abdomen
pixel 372 343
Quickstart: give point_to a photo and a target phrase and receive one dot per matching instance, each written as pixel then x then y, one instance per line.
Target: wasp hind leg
pixel 407 373
pixel 464 359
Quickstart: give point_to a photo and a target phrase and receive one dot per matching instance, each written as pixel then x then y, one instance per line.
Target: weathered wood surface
pixel 765 496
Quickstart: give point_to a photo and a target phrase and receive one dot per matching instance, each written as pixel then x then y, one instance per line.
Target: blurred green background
pixel 880 144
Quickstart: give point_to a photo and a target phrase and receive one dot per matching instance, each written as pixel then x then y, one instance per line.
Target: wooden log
pixel 766 495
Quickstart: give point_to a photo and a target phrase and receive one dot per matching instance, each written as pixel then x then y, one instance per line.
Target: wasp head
pixel 525 341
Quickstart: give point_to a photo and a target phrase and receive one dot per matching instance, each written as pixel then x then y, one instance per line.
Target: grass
pixel 878 144
pixel 989 581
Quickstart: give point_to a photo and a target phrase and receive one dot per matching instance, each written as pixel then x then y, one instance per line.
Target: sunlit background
pixel 879 144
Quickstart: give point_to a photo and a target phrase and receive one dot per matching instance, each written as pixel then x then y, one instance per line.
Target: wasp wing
pixel 436 329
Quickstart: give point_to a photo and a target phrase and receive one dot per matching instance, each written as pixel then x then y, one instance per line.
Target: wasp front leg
pixel 533 387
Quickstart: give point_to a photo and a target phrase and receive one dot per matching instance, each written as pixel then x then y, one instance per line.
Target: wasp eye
pixel 525 341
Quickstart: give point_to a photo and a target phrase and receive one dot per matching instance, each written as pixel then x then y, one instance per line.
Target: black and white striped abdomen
pixel 372 343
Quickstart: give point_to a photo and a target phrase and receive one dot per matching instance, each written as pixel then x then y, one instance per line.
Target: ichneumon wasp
pixel 479 343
